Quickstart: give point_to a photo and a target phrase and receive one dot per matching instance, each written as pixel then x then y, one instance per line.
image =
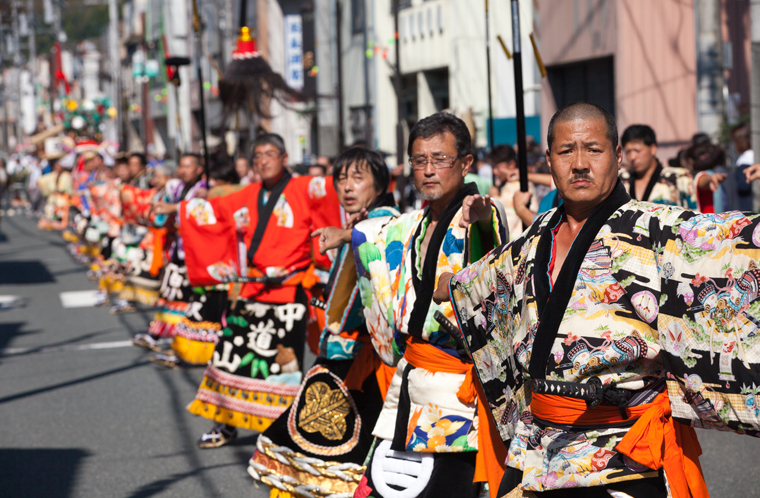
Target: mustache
pixel 581 176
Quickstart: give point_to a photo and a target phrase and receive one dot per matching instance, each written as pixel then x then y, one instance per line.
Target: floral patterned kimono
pixel 260 237
pixel 669 186
pixel 656 306
pixel 423 418
pixel 329 425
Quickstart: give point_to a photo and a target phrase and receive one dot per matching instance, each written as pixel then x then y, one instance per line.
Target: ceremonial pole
pixel 522 156
pixel 488 77
pixel 197 30
pixel 401 181
pixel 339 58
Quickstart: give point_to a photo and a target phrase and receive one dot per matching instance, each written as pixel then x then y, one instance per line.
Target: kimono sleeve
pixel 709 317
pixel 324 210
pixel 687 189
pixel 483 300
pixel 209 230
pixel 136 205
pixel 374 280
pixel 500 233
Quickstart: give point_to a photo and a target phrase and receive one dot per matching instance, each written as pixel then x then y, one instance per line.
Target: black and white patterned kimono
pixel 650 298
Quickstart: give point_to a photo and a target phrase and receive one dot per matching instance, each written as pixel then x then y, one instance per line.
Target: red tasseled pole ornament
pixel 249 82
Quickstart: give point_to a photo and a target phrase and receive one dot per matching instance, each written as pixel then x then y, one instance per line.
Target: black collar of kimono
pixel 551 302
pixel 425 286
pixel 265 212
pixel 652 182
pixel 383 200
pixel 186 189
pixel 135 182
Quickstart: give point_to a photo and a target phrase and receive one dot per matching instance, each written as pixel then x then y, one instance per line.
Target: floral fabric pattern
pixel 674 187
pixel 384 257
pixel 662 294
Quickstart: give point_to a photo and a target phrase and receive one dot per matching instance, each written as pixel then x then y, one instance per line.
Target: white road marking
pixel 104 345
pixel 79 299
pixel 81 347
pixel 8 302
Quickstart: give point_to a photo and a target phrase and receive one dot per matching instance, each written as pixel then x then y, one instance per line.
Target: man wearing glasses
pixel 260 235
pixel 427 433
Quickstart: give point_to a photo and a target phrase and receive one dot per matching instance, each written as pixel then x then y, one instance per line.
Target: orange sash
pixel 365 364
pixel 159 235
pixel 492 454
pixel 305 278
pixel 655 440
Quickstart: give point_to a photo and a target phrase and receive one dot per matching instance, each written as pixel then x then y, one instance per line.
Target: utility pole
pixel 17 65
pixel 709 66
pixel 32 40
pixel 367 106
pixel 115 63
pixel 5 97
pixel 755 88
pixel 60 37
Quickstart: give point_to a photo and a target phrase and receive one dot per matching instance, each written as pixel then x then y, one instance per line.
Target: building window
pixel 591 80
pixel 430 21
pixel 360 118
pixel 440 18
pixel 438 83
pixel 402 4
pixel 357 16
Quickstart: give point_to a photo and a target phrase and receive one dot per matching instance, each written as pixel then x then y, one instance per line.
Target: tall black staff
pixel 197 30
pixel 522 156
pixel 488 77
pixel 401 182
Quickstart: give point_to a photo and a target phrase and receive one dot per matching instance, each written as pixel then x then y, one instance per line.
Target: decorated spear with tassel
pixel 249 82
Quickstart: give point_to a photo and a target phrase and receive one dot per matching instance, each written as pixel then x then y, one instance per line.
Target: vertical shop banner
pixel 294 51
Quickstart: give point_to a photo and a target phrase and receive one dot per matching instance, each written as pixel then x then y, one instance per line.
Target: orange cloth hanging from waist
pixel 655 440
pixel 365 364
pixel 492 454
pixel 159 235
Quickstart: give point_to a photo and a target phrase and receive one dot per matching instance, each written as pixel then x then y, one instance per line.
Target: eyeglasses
pixel 269 155
pixel 438 162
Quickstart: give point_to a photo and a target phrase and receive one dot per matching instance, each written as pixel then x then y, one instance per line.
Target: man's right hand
pixel 752 173
pixel 331 238
pixel 355 219
pixel 160 207
pixel 475 208
pixel 441 294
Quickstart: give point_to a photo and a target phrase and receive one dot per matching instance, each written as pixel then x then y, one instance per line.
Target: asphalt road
pixel 83 422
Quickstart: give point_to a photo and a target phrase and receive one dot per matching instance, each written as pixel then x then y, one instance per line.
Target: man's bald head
pixel 583 111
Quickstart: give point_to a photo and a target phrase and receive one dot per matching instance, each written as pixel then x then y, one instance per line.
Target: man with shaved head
pixel 610 329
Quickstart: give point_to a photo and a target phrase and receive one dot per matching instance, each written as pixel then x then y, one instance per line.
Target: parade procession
pixel 379 249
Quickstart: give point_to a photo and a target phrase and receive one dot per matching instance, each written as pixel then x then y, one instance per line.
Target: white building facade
pixel 443 67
